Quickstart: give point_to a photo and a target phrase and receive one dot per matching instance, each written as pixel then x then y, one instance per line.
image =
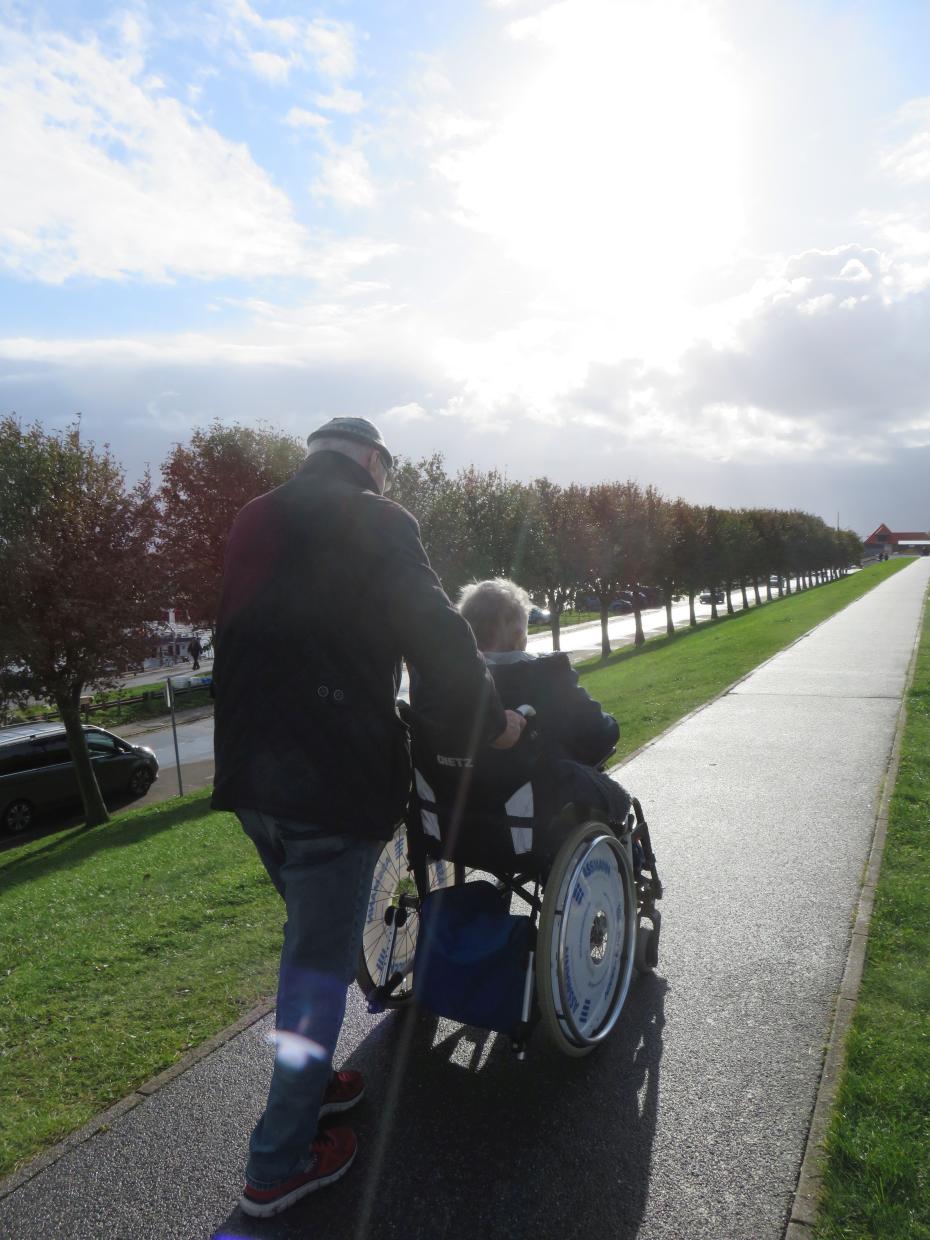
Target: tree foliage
pixel 80 576
pixel 204 485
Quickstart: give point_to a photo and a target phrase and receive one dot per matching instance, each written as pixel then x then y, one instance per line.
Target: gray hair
pixel 497 611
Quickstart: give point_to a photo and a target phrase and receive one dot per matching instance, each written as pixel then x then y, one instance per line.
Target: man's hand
pixel 512 733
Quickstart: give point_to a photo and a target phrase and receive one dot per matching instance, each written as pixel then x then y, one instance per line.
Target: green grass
pixel 877 1172
pixel 567 618
pixel 123 947
pixel 126 945
pixel 648 688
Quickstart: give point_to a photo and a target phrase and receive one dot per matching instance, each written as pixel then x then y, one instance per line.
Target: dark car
pixel 539 615
pixel 37 773
pixel 713 596
pixel 621 606
pixel 631 597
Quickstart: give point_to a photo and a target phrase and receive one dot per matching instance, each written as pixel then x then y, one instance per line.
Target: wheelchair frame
pixel 570 944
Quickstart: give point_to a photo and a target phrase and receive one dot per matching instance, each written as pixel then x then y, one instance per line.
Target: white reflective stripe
pixel 520 804
pixel 423 788
pixel 430 823
pixel 522 839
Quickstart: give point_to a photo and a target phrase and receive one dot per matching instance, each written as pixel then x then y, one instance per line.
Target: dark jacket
pixel 568 723
pixel 326 588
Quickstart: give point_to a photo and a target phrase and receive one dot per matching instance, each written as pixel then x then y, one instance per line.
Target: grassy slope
pixel 123 947
pixel 877 1176
pixel 132 942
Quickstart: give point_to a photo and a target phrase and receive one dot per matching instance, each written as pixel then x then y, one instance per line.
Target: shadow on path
pixel 458 1139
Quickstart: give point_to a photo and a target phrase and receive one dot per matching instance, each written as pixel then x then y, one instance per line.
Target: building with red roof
pixel 884 541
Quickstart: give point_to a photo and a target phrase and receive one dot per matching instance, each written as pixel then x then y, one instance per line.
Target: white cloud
pixel 320 43
pixel 301 118
pixel 270 66
pixel 339 99
pixel 411 412
pixel 908 161
pixel 114 178
pixel 345 177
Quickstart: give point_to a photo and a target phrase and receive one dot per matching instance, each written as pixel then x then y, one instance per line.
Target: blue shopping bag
pixel 472 956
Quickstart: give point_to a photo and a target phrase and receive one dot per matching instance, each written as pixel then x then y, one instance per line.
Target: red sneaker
pixel 342 1092
pixel 333 1153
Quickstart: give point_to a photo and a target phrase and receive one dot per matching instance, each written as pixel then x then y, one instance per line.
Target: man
pixel 577 734
pixel 326 587
pixel 193 649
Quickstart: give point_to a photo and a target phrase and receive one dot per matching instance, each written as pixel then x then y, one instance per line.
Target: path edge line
pixel 103 1121
pixel 802 1216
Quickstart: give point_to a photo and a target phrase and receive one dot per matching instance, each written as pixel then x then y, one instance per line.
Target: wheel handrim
pixel 592 966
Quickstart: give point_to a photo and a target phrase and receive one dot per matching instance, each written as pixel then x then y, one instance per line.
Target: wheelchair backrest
pixel 467 811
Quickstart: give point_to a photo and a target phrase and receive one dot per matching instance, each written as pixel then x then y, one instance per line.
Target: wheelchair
pixel 585 888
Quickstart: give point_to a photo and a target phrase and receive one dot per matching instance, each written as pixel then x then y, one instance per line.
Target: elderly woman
pixel 578 735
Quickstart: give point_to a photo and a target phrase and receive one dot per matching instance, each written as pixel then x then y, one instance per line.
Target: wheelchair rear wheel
pixel 393 878
pixel 586 940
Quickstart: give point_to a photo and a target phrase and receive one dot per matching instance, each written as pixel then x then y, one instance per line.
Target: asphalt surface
pixel 690 1122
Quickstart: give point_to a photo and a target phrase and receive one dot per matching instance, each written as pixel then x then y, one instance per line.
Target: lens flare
pixel 295 1051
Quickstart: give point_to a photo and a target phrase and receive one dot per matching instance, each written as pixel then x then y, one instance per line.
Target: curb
pixel 803 1214
pixel 105 1120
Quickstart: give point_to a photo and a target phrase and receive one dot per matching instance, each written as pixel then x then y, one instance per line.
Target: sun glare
pixel 615 173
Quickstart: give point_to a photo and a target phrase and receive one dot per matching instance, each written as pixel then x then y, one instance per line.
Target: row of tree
pixel 88 563
pixel 567 543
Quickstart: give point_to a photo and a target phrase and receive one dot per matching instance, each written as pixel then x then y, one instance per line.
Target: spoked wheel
pixel 586 940
pixel 393 878
pixel 18 816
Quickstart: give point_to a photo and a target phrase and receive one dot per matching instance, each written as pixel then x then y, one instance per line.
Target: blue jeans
pixel 325 881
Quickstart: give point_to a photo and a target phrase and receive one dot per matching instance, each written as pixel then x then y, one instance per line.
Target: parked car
pixel 621 606
pixel 633 596
pixel 539 615
pixel 713 596
pixel 775 581
pixel 37 773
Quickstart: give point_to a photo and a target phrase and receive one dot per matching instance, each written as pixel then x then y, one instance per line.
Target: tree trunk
pixel 713 602
pixel 787 589
pixel 605 640
pixel 755 586
pixel 742 588
pixel 69 707
pixel 692 616
pixel 669 623
pixel 768 589
pixel 640 638
pixel 729 594
pixel 555 620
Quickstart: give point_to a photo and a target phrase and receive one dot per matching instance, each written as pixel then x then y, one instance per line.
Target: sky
pixel 681 241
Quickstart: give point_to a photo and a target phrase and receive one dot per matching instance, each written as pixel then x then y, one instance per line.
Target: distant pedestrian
pixel 193 649
pixel 326 587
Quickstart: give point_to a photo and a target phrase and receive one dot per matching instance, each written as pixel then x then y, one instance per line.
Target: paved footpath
pixel 691 1122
